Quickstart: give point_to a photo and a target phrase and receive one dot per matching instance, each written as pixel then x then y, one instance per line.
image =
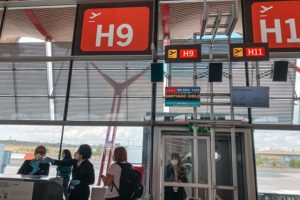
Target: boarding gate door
pixel 221 173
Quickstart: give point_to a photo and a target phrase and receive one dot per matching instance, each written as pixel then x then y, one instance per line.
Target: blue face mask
pixel 38 156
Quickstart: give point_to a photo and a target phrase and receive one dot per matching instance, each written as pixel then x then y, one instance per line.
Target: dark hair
pixel 67 153
pixel 177 157
pixel 85 150
pixel 40 149
pixel 120 154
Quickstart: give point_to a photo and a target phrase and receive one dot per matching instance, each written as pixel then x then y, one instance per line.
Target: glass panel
pixel 24 91
pixel 224 194
pixel 278 161
pixel 181 149
pixel 223 161
pixel 202 162
pixel 19 142
pixel 129 137
pixel 112 91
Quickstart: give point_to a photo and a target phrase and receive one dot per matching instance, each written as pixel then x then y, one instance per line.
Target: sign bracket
pixel 214 28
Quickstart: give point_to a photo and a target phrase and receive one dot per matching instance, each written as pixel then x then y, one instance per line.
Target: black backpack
pixel 130 183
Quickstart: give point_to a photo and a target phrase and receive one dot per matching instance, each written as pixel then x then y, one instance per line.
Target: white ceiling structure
pixel 55 19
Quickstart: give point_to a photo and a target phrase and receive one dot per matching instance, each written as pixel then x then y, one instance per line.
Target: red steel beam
pixel 165 17
pixel 34 20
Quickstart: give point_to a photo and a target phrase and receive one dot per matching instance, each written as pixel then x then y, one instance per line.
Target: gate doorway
pixel 221 173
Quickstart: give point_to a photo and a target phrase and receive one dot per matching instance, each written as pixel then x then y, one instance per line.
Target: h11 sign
pixel 240 52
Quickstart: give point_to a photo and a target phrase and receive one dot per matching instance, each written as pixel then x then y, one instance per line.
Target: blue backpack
pixel 130 183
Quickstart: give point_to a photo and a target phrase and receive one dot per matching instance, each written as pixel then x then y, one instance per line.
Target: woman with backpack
pixel 122 180
pixel 174 172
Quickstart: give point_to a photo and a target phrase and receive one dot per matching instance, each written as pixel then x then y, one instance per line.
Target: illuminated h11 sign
pixel 182 53
pixel 255 52
pixel 274 22
pixel 249 52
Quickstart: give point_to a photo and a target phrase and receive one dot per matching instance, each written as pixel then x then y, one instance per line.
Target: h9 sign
pixel 113 29
pixel 274 22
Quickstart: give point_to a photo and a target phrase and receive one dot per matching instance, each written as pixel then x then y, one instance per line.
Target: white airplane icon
pixel 94 15
pixel 265 9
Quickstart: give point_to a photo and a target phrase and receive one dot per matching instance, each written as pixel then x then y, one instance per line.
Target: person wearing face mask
pixel 37 166
pixel 65 171
pixel 174 172
pixel 83 173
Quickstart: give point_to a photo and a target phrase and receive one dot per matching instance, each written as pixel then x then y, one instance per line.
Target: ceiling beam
pixel 37 4
pixel 165 17
pixel 192 1
pixel 37 24
pixel 72 3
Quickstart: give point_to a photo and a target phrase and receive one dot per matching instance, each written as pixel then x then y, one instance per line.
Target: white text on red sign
pixel 276 23
pixel 255 51
pixel 127 37
pixel 188 53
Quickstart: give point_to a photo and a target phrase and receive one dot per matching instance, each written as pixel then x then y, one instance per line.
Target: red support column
pixel 165 17
pixel 34 20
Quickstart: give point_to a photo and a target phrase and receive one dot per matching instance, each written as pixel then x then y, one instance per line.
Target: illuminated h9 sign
pixel 182 53
pixel 113 29
pixel 188 53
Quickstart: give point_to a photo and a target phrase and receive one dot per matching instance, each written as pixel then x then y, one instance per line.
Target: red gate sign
pixel 114 29
pixel 255 52
pixel 183 53
pixel 274 22
pixel 188 53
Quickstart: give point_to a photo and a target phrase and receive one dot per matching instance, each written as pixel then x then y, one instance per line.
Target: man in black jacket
pixel 83 173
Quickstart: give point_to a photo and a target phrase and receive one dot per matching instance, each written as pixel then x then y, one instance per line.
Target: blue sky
pixel 274 139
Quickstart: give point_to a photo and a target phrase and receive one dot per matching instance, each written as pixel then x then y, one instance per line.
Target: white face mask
pixel 174 162
pixel 38 156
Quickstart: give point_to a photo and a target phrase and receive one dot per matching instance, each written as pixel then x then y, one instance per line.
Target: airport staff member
pixel 83 173
pixel 37 166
